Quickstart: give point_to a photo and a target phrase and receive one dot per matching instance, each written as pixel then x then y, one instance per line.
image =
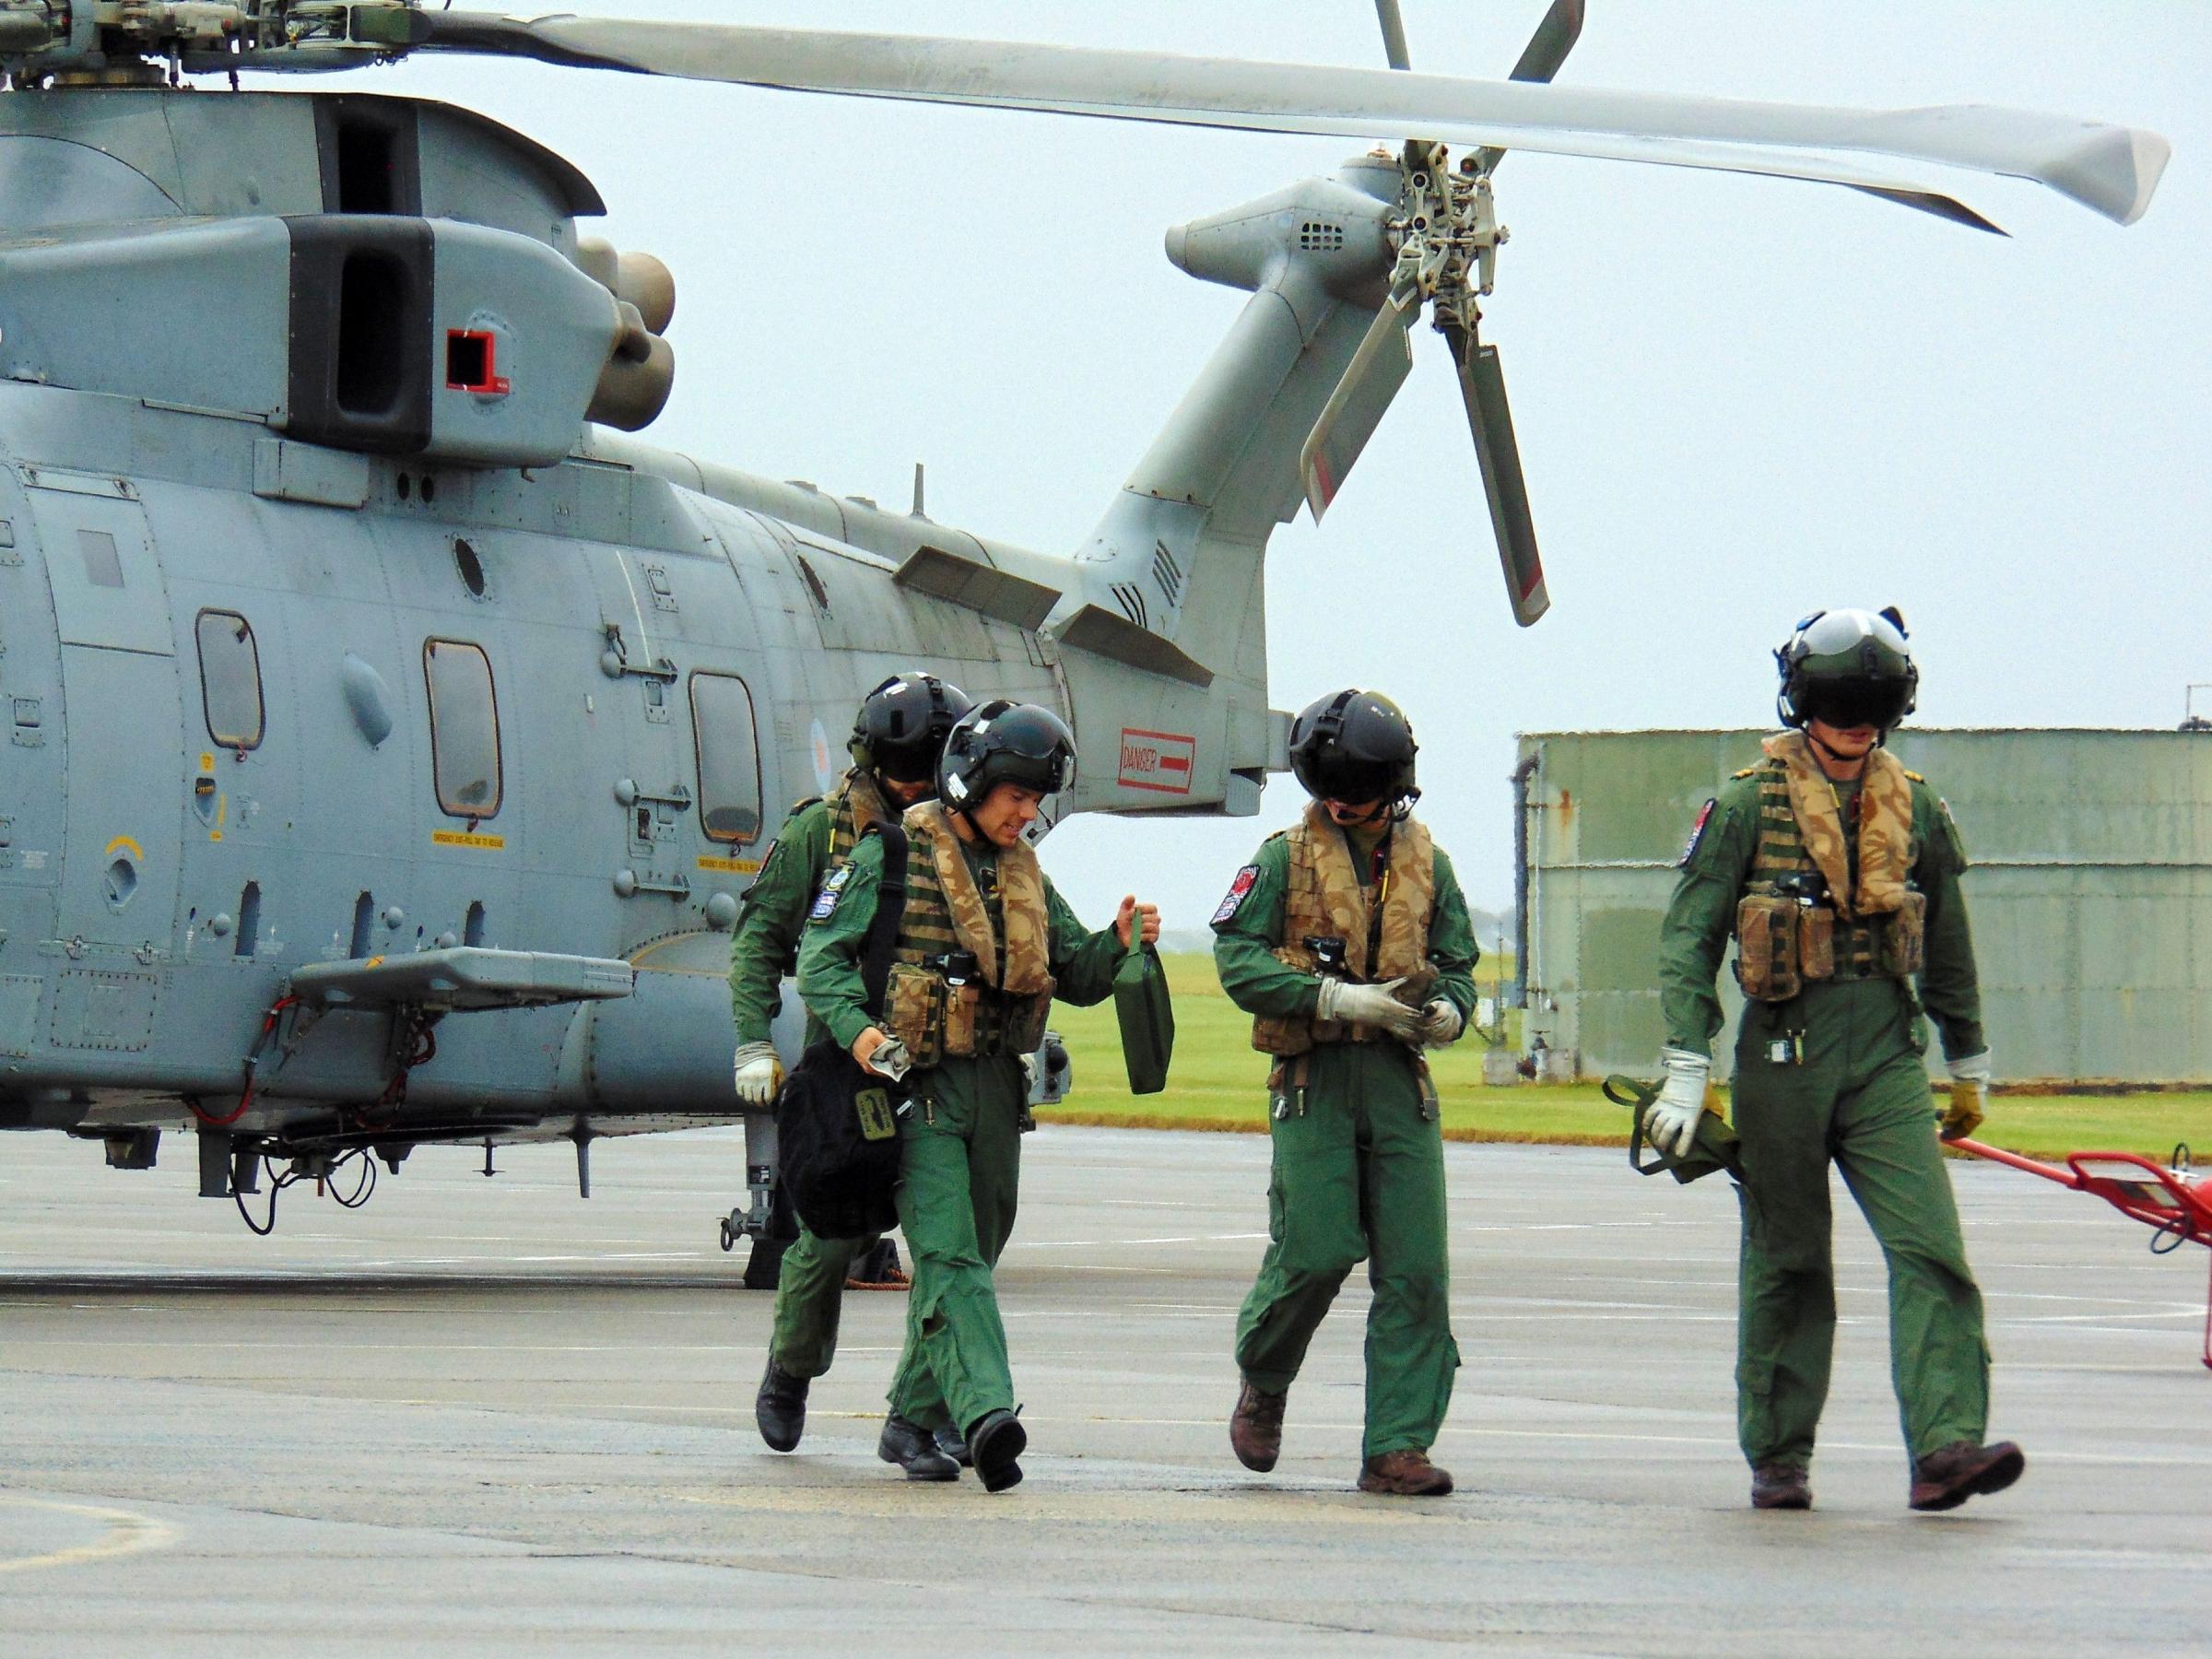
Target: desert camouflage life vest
pixel 1322 899
pixel 1002 1007
pixel 855 805
pixel 1858 930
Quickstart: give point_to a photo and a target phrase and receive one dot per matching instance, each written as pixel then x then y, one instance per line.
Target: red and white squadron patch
pixel 1697 834
pixel 1235 897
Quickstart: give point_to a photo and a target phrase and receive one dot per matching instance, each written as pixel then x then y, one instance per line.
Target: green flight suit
pixel 810 1287
pixel 961 1149
pixel 1358 1173
pixel 1859 1095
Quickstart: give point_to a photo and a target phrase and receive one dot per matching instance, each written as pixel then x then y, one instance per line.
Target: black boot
pixel 914 1449
pixel 780 1407
pixel 996 1441
pixel 953 1446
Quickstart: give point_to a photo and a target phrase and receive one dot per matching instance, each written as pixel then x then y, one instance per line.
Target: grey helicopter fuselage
pixel 391 747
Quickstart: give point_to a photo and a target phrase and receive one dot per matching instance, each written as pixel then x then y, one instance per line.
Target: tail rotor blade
pixel 1316 469
pixel 1393 34
pixel 1540 60
pixel 1482 385
pixel 1554 38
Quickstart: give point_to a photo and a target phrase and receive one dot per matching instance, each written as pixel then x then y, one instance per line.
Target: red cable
pixel 245 1099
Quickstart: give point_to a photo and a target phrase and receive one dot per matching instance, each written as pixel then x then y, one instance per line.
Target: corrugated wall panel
pixel 2091 891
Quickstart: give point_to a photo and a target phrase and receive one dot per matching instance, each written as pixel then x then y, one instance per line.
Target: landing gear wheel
pixel 765 1265
pixel 877 1267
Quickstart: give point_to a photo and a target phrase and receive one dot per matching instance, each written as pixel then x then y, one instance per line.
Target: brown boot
pixel 1255 1427
pixel 1407 1474
pixel 1779 1486
pixel 1947 1479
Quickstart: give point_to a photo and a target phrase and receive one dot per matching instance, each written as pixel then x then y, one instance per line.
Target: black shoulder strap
pixel 890 911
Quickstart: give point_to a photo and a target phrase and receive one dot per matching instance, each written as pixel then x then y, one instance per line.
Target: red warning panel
pixel 1158 760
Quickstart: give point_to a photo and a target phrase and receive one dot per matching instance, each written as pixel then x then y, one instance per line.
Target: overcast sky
pixel 1736 399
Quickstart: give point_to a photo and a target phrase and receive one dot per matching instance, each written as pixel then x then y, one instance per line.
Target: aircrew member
pixel 984 944
pixel 897 736
pixel 1837 872
pixel 1349 941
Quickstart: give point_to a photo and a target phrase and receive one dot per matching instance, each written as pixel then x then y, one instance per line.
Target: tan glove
pixel 1442 1023
pixel 1376 1006
pixel 757 1073
pixel 1969 1096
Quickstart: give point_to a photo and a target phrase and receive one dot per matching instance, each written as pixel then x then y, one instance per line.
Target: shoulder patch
pixel 1234 899
pixel 1697 831
pixel 833 887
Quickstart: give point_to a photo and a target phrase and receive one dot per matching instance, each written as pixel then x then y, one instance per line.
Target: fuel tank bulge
pixel 667 1046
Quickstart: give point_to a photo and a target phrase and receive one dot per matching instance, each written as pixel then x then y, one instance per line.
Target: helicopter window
pixel 464 729
pixel 230 681
pixel 103 566
pixel 729 758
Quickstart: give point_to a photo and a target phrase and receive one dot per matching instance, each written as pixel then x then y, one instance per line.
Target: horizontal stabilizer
pixel 1102 633
pixel 978 587
pixel 463 980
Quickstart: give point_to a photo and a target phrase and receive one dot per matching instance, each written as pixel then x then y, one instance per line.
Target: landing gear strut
pixel 767 1218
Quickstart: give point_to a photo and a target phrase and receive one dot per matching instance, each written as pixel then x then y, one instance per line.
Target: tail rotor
pixel 1448 235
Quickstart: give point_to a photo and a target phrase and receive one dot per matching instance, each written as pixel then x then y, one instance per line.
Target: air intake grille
pixel 1317 236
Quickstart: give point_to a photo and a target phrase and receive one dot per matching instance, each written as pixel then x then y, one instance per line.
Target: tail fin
pixel 1180 551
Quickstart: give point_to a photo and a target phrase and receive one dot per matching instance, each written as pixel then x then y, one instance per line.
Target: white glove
pixel 890 1059
pixel 1969 1096
pixel 1442 1023
pixel 758 1072
pixel 1671 1124
pixel 1369 1005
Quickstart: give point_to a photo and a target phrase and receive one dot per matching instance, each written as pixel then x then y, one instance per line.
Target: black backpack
pixel 836 1124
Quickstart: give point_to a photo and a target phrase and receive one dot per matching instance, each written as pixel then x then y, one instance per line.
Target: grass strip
pixel 1217 1085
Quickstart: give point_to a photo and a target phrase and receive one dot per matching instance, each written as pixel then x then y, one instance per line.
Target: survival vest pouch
pixel 1147 1019
pixel 836 1124
pixel 1715 1148
pixel 1766 948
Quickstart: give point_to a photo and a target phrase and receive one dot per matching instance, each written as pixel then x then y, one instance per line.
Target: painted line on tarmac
pixel 1108 1243
pixel 2114 1459
pixel 128 1533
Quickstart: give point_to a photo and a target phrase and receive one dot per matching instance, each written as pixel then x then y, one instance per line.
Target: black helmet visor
pixel 1851 701
pixel 1354 783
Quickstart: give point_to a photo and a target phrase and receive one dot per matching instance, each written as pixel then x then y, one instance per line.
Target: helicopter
pixel 393 738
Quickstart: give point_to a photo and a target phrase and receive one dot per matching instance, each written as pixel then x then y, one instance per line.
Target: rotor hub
pixel 1446 234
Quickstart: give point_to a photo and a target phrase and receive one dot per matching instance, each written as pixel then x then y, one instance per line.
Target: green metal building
pixel 2090 891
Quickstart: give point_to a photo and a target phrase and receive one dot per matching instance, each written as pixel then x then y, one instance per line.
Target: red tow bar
pixel 2163 1199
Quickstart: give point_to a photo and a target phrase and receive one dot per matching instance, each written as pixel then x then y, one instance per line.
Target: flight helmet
pixel 902 725
pixel 1354 745
pixel 1849 668
pixel 1005 742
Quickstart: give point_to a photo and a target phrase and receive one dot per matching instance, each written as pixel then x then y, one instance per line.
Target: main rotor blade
pixel 2111 170
pixel 1540 60
pixel 1482 385
pixel 1317 468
